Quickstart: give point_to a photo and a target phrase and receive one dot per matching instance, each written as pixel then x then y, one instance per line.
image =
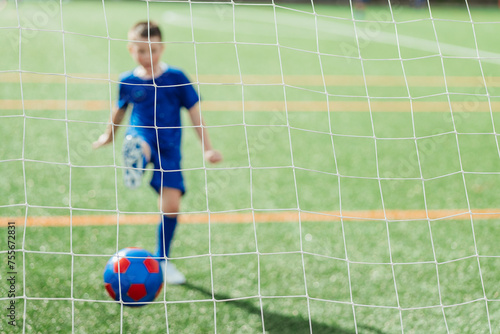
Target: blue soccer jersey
pixel 157 108
pixel 156 118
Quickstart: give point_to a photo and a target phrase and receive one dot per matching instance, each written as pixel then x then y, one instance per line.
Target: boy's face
pixel 141 54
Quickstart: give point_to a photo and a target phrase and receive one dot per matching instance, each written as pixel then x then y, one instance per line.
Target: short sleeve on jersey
pixel 123 95
pixel 188 95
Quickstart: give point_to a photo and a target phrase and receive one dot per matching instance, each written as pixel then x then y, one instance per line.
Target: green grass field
pixel 272 277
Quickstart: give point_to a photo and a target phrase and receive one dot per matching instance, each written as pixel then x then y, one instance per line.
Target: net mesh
pixel 308 72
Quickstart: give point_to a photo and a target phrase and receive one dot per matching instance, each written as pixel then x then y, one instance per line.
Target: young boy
pixel 157 92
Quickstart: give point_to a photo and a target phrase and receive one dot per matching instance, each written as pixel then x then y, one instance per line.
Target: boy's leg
pixel 169 202
pixel 136 155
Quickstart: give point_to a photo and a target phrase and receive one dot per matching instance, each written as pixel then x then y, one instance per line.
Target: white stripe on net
pixel 244 210
pixel 245 127
pixel 234 125
pixel 420 171
pixel 66 119
pixel 498 150
pixel 263 297
pixel 458 259
pixel 325 91
pixel 205 174
pixel 292 159
pixel 403 98
pixel 377 167
pixel 97 79
pixel 261 5
pixel 113 145
pixel 461 165
pixel 293 166
pixel 24 297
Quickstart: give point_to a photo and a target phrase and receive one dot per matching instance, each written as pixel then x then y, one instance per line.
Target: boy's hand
pixel 103 139
pixel 213 156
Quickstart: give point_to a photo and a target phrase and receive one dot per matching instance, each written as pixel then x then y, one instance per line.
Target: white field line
pixel 302 26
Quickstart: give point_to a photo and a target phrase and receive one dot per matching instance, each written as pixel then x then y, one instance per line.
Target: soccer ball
pixel 133 276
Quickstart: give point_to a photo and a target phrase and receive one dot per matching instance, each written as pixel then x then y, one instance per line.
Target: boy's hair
pixel 140 29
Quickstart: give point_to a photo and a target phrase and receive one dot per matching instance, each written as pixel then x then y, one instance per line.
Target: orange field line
pixel 260 217
pixel 295 80
pixel 259 106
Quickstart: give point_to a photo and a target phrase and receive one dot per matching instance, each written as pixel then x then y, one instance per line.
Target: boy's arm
pixel 211 155
pixel 107 136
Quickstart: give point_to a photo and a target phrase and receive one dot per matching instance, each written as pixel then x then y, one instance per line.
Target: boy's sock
pixel 165 235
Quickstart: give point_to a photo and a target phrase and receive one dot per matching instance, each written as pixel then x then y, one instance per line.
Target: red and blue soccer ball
pixel 133 276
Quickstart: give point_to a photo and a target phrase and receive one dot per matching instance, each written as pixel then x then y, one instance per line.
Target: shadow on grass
pixel 280 323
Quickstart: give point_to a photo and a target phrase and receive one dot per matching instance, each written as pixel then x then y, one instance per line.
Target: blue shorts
pixel 166 165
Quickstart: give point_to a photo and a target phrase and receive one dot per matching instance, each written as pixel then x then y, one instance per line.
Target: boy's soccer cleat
pixel 133 161
pixel 172 275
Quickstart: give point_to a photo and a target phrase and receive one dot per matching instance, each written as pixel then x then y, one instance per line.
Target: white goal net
pixel 358 191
